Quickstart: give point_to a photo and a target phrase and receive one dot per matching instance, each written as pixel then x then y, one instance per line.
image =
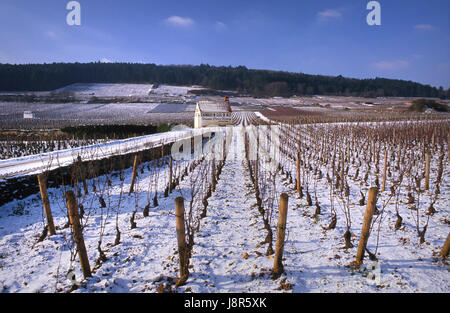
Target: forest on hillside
pixel 260 83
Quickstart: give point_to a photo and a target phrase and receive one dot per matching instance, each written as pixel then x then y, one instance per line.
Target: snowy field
pixel 229 254
pixel 174 107
pixel 174 90
pixel 50 116
pixel 150 104
pixel 125 90
pixel 101 104
pixel 108 90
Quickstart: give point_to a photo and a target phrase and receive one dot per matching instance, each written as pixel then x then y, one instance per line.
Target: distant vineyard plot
pixel 72 114
pixel 124 90
pixel 91 104
pixel 107 90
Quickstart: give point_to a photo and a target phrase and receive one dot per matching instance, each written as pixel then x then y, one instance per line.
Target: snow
pixel 125 90
pixel 174 90
pixel 173 107
pixel 108 90
pixel 228 255
pixel 262 117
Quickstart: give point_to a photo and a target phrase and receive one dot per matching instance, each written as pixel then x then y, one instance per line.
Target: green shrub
pixel 420 105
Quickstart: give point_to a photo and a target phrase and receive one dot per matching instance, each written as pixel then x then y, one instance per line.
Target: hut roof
pixel 214 106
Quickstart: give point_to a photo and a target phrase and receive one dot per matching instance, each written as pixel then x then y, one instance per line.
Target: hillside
pixel 45 77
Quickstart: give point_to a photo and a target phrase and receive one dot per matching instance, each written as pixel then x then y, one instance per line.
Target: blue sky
pixel 329 37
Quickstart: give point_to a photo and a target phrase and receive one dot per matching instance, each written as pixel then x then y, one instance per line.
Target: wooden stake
pixel 181 238
pixel 427 169
pixel 162 155
pixel 342 172
pixel 384 171
pixel 445 247
pixel 133 177
pixel 298 172
pixel 213 174
pixel 82 175
pixel 365 232
pixel 433 139
pixel 42 179
pixel 74 218
pixel 170 173
pixel 281 231
pixel 448 148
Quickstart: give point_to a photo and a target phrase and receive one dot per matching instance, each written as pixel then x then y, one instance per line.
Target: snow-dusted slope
pixel 125 90
pixel 107 90
pixel 173 90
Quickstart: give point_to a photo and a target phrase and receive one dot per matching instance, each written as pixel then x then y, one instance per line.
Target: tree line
pixel 259 83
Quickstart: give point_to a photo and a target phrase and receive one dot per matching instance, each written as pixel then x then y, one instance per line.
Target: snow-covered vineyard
pixel 231 200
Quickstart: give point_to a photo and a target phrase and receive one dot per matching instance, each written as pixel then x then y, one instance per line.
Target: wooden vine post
pixel 448 148
pixel 281 231
pixel 383 188
pixel 170 174
pixel 213 174
pixel 365 232
pixel 298 173
pixel 427 169
pixel 181 238
pixel 74 218
pixel 82 175
pixel 162 154
pixel 342 172
pixel 42 179
pixel 133 177
pixel 445 247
